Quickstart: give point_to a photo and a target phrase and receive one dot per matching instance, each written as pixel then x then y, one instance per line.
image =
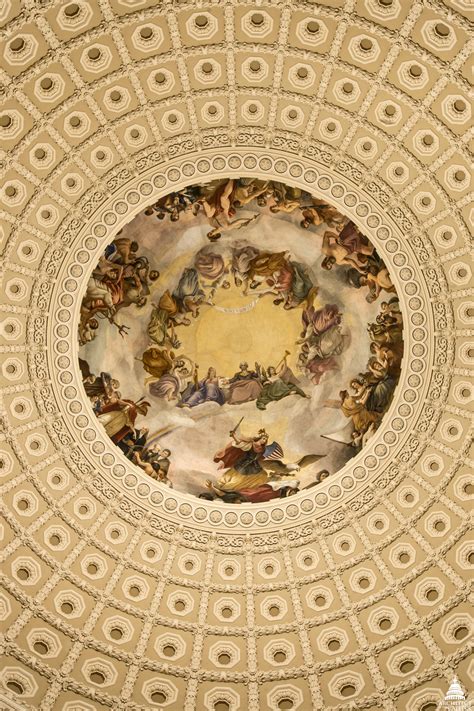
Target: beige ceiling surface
pixel 116 595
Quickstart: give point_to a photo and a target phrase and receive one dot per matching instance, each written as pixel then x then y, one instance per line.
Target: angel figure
pixel 217 202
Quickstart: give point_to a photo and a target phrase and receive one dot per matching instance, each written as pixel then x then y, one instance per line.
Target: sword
pixel 232 432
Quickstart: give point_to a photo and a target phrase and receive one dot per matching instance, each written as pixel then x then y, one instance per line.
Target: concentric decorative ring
pixel 385 234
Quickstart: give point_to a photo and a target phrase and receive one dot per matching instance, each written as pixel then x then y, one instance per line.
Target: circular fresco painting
pixel 240 340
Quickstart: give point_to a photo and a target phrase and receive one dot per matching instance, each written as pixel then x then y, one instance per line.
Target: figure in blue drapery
pixel 201 391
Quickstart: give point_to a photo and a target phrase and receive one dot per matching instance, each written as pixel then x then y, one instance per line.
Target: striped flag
pixel 273 451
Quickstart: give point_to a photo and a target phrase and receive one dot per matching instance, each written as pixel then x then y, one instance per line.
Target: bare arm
pixel 225 197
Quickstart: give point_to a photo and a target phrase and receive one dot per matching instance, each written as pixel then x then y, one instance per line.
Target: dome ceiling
pixel 121 592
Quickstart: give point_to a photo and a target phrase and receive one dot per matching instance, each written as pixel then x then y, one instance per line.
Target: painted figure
pixel 321 342
pixel 371 392
pixel 155 462
pixel 245 385
pixel 118 417
pixel 205 390
pixel 349 247
pixel 255 471
pixel 174 382
pixel 278 383
pixel 120 279
pixel 242 259
pixel 243 458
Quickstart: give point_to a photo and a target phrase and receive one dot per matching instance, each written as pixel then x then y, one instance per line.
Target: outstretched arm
pixel 225 197
pixel 143 465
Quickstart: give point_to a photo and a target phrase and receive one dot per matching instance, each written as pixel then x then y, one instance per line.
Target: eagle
pixel 277 467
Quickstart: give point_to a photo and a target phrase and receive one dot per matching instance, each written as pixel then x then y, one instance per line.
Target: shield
pixel 273 451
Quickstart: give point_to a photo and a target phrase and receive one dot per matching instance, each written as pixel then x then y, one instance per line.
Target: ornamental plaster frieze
pixel 368 568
